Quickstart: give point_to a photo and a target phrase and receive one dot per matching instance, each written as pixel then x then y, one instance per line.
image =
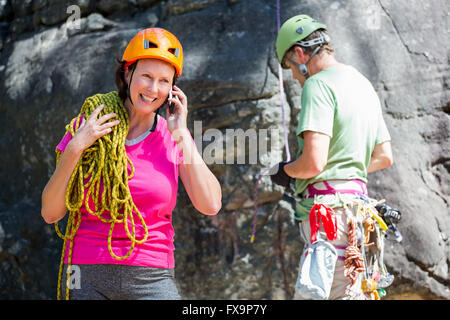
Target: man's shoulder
pixel 335 71
pixel 336 77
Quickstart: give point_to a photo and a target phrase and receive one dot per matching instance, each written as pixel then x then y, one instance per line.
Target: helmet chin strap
pixel 303 68
pixel 322 39
pixel 155 121
pixel 129 85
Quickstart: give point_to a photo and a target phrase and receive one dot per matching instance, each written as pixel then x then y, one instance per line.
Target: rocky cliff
pixel 50 61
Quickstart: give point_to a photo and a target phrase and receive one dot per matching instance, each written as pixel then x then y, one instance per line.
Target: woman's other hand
pixel 93 129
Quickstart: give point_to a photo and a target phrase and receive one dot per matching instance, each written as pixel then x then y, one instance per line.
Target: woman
pixel 119 256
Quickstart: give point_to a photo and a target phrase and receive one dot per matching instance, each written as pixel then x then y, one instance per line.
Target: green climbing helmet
pixel 293 31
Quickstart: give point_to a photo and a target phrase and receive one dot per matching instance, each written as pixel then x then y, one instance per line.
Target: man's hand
pixel 279 176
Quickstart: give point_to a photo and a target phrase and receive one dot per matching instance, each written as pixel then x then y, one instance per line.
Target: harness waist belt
pixel 354 186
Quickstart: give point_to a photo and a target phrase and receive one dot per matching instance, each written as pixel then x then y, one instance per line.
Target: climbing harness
pixel 363 256
pixel 325 187
pixel 105 164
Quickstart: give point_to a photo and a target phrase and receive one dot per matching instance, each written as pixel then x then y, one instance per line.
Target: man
pixel 342 136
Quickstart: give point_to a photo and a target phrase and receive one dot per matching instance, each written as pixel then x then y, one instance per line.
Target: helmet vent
pixel 148 44
pixel 174 51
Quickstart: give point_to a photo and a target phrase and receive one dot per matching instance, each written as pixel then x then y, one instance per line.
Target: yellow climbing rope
pixel 103 163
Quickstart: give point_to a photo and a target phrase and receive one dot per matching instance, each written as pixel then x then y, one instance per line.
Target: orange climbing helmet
pixel 155 43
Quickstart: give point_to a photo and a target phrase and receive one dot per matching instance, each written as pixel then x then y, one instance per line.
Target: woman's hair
pixel 121 84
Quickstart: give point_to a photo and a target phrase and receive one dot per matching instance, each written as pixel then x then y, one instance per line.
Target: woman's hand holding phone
pixel 176 110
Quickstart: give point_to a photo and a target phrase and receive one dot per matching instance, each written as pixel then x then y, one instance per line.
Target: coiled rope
pixel 354 262
pixel 103 163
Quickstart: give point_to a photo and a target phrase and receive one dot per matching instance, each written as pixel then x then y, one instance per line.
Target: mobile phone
pixel 171 104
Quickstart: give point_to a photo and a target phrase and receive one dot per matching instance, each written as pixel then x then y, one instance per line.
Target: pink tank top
pixel 153 187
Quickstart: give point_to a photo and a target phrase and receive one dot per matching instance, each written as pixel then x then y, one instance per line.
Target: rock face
pixel 50 61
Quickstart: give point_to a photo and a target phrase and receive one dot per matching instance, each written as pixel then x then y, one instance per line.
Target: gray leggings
pixel 119 282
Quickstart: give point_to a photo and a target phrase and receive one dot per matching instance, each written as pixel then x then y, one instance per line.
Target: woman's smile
pixel 150 85
pixel 147 99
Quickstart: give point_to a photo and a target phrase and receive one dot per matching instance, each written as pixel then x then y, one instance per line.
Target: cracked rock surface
pixel 48 68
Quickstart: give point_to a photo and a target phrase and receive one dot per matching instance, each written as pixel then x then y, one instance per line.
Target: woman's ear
pixel 126 75
pixel 128 72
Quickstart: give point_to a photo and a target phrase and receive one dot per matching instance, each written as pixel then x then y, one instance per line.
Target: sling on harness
pixel 328 219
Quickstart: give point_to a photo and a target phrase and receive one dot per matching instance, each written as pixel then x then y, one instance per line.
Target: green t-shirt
pixel 341 103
